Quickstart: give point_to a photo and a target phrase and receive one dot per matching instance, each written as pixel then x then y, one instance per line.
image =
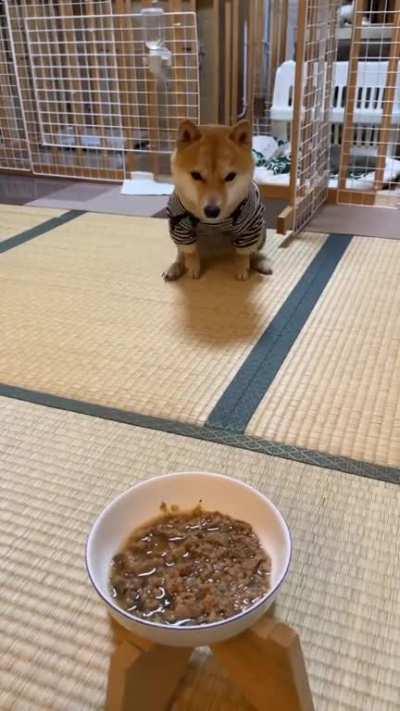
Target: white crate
pixel 368 111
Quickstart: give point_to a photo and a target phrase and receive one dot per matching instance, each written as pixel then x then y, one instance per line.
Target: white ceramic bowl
pixel 142 502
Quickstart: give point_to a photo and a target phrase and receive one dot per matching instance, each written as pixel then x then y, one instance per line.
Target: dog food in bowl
pixel 191 568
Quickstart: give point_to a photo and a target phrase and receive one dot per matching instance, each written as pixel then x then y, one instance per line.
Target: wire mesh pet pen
pixel 14 146
pixel 359 105
pixel 370 159
pixel 100 88
pixel 293 107
pixel 87 93
pixel 310 138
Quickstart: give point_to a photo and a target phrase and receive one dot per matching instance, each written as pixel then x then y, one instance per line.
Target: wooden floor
pixel 354 220
pixel 101 197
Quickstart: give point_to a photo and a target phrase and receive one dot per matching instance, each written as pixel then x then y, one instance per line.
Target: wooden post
pixel 216 9
pixel 260 92
pixel 388 100
pixel 278 33
pixel 143 672
pixel 284 220
pixel 235 62
pixel 144 679
pixel 267 664
pixel 283 31
pixel 381 10
pixel 298 103
pixel 251 50
pixel 228 60
pixel 352 80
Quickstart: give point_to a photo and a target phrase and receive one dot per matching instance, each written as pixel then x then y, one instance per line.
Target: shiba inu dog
pixel 212 169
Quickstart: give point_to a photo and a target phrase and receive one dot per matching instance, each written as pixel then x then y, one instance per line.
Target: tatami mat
pixel 59 469
pixel 15 219
pixel 85 314
pixel 338 390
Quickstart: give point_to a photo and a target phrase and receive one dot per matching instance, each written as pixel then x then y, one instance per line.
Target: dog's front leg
pixel 192 261
pixel 176 269
pixel 187 259
pixel 242 266
pixel 259 261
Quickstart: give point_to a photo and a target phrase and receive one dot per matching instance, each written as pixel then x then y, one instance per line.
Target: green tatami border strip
pixel 207 433
pixel 249 385
pixel 39 230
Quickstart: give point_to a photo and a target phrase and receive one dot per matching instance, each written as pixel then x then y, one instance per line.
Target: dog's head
pixel 212 168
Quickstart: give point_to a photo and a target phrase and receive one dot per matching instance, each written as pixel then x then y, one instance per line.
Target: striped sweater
pixel 246 225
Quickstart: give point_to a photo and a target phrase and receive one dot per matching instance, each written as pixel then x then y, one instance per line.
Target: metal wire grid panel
pixel 91 97
pixel 75 78
pixel 92 78
pixel 272 21
pixel 311 132
pixel 14 149
pixel 61 160
pixel 370 159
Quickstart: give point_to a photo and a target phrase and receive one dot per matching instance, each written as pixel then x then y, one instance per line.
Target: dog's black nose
pixel 212 211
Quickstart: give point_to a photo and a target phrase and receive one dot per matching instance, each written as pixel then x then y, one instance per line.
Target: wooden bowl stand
pixel 266 662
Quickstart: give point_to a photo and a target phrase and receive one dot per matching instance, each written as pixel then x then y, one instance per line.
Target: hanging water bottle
pixel 154 38
pixel 153 26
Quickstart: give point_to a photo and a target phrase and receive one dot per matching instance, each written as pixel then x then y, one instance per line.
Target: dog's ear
pixel 241 133
pixel 188 132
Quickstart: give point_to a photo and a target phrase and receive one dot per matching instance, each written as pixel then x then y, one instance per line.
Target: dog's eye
pixel 230 177
pixel 196 176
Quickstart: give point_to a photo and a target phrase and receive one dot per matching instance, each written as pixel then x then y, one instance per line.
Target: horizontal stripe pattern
pixel 245 225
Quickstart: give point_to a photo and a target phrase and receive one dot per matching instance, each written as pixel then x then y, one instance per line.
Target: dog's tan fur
pixel 213 152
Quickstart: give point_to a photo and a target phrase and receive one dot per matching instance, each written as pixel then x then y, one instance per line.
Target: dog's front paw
pixel 261 264
pixel 194 272
pixel 242 267
pixel 243 274
pixel 193 265
pixel 174 272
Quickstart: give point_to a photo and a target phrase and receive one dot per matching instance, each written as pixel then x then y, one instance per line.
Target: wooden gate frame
pixel 300 196
pixel 346 195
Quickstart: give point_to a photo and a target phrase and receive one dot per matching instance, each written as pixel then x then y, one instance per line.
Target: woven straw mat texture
pixel 58 471
pixel 85 314
pixel 15 219
pixel 338 390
